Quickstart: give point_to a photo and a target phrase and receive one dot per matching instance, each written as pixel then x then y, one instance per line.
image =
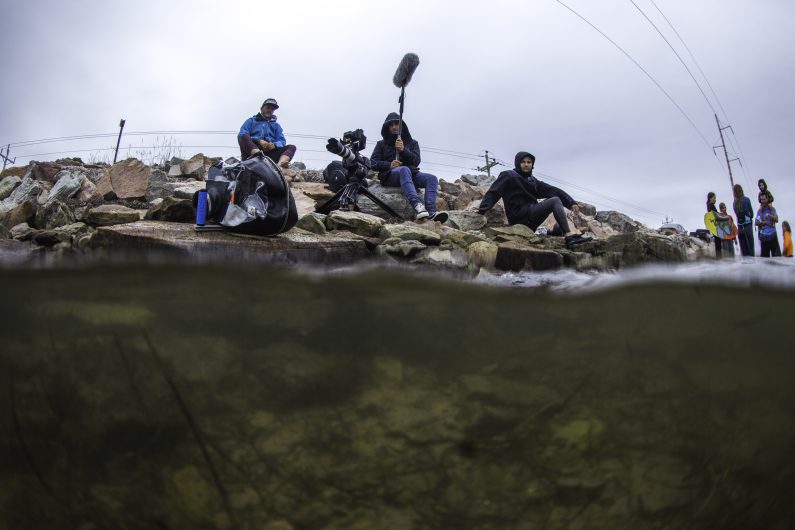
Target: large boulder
pixel 44 171
pixel 159 186
pixel 67 185
pixel 21 205
pixel 196 167
pixel 111 214
pixel 466 196
pixel 511 233
pixel 172 209
pixel 479 180
pixel 7 185
pixel 644 247
pixel 515 256
pixel 410 231
pixel 129 179
pixel 392 197
pixel 618 221
pixel 465 220
pixel 482 254
pixel 313 222
pixel 357 222
pixel 53 214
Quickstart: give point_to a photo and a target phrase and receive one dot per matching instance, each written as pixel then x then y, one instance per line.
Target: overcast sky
pixel 499 76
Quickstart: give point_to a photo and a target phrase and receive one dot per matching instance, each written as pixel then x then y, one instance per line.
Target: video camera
pixel 348 147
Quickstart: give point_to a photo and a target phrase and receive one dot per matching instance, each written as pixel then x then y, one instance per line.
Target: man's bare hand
pixel 266 146
pixel 399 144
pixel 395 163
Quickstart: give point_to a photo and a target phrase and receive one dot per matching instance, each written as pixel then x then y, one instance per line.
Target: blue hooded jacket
pixel 258 128
pixel 384 152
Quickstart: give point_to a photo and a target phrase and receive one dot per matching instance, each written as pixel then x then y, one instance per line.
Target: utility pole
pixel 488 166
pixel 5 156
pixel 121 128
pixel 725 153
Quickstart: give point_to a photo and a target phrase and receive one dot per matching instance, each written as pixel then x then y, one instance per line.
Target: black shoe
pixel 576 240
pixel 440 217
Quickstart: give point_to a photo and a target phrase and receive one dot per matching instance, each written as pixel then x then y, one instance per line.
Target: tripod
pixel 347 196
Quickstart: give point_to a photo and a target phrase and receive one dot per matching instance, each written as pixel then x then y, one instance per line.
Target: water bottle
pixel 201 208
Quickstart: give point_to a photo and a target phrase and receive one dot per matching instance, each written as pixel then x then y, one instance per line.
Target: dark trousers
pixel 539 212
pixel 770 248
pixel 718 247
pixel 745 236
pixel 247 144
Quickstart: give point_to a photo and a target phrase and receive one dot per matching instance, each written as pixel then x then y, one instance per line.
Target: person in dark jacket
pixel 261 134
pixel 397 160
pixel 745 221
pixel 520 191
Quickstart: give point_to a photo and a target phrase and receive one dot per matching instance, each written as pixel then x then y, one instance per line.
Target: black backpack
pixel 335 175
pixel 251 197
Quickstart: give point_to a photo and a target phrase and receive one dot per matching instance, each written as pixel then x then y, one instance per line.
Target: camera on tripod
pixel 347 178
pixel 348 147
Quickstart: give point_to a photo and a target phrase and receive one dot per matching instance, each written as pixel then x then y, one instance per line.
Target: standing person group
pixel 764 220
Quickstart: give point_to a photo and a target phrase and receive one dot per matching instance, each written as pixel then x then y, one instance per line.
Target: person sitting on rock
pixel 261 134
pixel 397 159
pixel 520 191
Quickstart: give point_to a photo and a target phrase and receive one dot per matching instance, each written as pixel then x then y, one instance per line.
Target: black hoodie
pixel 384 152
pixel 520 192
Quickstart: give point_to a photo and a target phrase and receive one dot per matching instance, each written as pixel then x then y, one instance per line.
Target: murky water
pixel 244 397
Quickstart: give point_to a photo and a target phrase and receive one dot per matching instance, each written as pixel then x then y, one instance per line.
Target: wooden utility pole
pixel 725 152
pixel 121 128
pixel 488 166
pixel 5 156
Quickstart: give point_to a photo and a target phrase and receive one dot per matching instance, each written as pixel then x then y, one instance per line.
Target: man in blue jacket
pixel 397 160
pixel 261 134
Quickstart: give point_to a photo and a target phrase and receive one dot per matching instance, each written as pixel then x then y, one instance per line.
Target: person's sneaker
pixel 422 213
pixel 576 240
pixel 440 217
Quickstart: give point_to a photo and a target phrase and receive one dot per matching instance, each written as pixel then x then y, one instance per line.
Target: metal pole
pixel 725 153
pixel 5 157
pixel 488 167
pixel 121 128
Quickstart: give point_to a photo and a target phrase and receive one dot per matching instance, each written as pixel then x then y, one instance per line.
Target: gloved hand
pixel 334 146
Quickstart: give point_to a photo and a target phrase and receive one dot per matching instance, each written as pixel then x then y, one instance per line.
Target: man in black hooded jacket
pixel 397 160
pixel 520 191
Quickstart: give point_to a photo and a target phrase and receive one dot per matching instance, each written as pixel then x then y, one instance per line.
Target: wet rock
pixel 53 214
pixel 482 254
pixel 402 248
pixel 643 247
pixel 510 233
pixel 111 214
pixel 7 185
pixel 410 231
pixel 129 179
pixel 313 222
pixel 173 210
pixel 294 246
pixel 459 238
pixel 5 233
pixel 356 222
pixel 661 483
pixel 442 258
pixel 465 220
pixel 515 256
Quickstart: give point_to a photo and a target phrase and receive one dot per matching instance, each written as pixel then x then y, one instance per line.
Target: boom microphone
pixel 405 70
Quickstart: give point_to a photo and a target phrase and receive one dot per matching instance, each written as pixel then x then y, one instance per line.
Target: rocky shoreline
pixel 67 208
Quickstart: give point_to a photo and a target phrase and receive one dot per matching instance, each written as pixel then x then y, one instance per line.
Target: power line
pixel 636 63
pixel 712 90
pixel 677 56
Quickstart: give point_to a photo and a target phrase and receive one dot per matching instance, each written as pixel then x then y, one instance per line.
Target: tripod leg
pixel 330 204
pixel 388 209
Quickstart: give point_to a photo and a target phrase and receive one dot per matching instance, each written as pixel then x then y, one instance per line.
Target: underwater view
pixel 244 397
